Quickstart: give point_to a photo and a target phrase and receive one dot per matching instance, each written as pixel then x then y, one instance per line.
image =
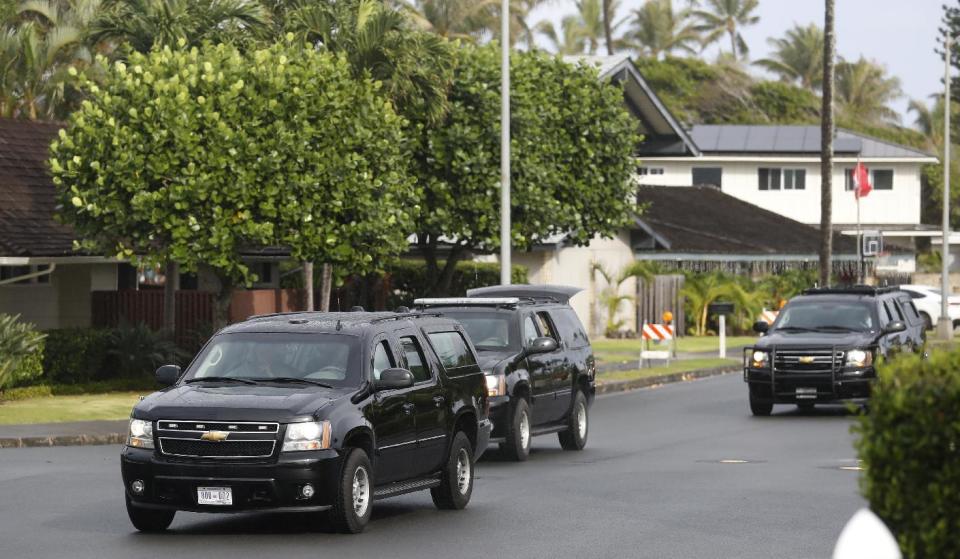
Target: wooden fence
pixel 662 294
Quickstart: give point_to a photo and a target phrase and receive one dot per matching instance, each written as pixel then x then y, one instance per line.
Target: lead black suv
pixel 541 373
pixel 310 412
pixel 824 344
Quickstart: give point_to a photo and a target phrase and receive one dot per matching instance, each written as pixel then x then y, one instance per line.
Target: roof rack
pixel 275 314
pixel 399 316
pixel 850 290
pixel 467 302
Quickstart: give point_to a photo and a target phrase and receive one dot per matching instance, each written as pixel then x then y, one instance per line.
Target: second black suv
pixel 310 412
pixel 541 373
pixel 823 345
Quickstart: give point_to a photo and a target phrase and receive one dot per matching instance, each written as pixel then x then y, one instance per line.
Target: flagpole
pixel 944 325
pixel 860 271
pixel 505 226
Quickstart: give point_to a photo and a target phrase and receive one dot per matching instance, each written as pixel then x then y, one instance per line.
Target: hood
pixel 810 340
pixel 489 360
pixel 213 401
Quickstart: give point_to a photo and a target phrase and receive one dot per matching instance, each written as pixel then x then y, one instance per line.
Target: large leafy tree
pixel 798 57
pixel 864 91
pixel 658 29
pixel 727 17
pixel 200 155
pixel 572 144
pixel 454 19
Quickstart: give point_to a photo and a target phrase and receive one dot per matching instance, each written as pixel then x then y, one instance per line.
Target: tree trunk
pixel 326 285
pixel 733 44
pixel 221 315
pixel 308 286
pixel 170 288
pixel 826 149
pixel 607 26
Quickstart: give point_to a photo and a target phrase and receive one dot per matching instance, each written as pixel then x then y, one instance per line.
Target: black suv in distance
pixel 823 345
pixel 310 412
pixel 539 365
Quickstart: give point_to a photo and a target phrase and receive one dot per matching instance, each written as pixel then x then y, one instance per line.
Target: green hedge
pixel 21 351
pixel 77 355
pixel 147 384
pixel 909 443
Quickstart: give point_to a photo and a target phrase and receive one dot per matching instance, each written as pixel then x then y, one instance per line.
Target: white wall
pixel 900 206
pixel 65 301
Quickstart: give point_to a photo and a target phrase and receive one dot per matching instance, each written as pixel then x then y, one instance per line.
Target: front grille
pixel 229 426
pixel 808 360
pixel 222 449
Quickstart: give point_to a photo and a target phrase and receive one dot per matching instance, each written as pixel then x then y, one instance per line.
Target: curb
pixel 647 382
pixel 62 440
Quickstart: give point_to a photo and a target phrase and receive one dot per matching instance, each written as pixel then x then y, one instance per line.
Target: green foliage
pixel 137 351
pixel 97 387
pixel 798 57
pixel 610 296
pixel 21 351
pixel 197 155
pixel 909 444
pixel 76 355
pixel 572 144
pixel 409 279
pixel 784 103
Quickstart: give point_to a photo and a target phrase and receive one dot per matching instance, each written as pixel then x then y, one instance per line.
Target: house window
pixel 708 176
pixel 10 272
pixel 794 179
pixel 880 179
pixel 769 178
pixel 644 171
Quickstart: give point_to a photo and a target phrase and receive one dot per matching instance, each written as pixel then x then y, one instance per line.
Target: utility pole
pixel 944 325
pixel 505 265
pixel 826 149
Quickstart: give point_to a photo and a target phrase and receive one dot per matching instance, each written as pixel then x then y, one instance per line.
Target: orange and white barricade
pixel 658 333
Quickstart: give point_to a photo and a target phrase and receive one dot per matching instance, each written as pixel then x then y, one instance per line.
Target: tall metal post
pixel 505 264
pixel 944 325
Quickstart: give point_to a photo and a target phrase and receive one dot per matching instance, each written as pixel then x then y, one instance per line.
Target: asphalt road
pixel 650 484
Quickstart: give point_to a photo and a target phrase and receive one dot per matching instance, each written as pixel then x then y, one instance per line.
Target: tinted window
pixel 708 175
pixel 895 310
pixel 546 326
pixel 569 327
pixel 451 349
pixel 888 314
pixel 816 314
pixel 530 332
pixel 489 330
pixel 382 359
pixel 415 361
pixel 909 309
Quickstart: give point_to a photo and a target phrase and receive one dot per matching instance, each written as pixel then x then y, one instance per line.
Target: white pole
pixel 944 326
pixel 505 264
pixel 860 278
pixel 723 336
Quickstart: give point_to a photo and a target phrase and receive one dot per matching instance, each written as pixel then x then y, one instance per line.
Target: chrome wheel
pixel 581 421
pixel 361 491
pixel 463 471
pixel 524 430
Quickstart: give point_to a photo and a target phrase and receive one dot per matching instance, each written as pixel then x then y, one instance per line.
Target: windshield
pixel 489 331
pixel 329 359
pixel 825 315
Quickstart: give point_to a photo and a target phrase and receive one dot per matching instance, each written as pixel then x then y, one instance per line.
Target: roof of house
pixel 733 139
pixel 702 220
pixel 27 197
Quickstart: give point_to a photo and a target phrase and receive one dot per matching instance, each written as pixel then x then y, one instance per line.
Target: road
pixel 650 484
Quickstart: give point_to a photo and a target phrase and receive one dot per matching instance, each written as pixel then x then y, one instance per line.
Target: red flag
pixel 861 181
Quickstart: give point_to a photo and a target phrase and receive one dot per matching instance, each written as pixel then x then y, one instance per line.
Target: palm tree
pixel 568 40
pixel 798 56
pixel 610 296
pixel 585 28
pixel 454 19
pixel 727 17
pixel 659 29
pixel 145 23
pixel 864 90
pixel 700 291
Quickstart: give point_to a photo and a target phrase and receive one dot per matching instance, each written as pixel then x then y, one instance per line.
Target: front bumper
pixel 275 485
pixel 791 388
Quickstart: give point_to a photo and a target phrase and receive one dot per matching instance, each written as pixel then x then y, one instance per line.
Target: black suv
pixel 823 346
pixel 310 412
pixel 541 374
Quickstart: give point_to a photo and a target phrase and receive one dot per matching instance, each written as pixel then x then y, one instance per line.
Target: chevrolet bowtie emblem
pixel 216 436
pixel 806 359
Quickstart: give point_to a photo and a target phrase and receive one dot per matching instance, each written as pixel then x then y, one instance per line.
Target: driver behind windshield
pixel 813 316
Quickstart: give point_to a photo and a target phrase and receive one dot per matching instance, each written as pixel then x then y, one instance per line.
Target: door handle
pixel 408 408
pixel 439 400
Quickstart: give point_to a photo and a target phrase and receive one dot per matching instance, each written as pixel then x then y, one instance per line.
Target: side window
pixel 452 349
pixel 530 332
pixel 887 313
pixel 912 310
pixel 415 361
pixel 382 359
pixel 569 327
pixel 546 325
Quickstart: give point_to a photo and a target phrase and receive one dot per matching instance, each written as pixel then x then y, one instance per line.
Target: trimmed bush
pixel 76 355
pixel 21 351
pixel 147 384
pixel 909 443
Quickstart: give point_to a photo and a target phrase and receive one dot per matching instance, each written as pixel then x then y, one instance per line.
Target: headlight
pixel 313 435
pixel 859 358
pixel 759 359
pixel 496 385
pixel 140 433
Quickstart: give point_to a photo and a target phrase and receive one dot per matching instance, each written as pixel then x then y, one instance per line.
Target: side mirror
pixel 894 327
pixel 393 379
pixel 541 345
pixel 167 375
pixel 761 327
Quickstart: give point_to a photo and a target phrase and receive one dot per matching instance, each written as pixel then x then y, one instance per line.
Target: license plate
pixel 220 496
pixel 807 393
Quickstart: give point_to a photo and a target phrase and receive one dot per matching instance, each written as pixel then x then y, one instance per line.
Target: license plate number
pixel 220 496
pixel 807 393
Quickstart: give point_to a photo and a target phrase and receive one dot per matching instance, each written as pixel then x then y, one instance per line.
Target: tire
pixel 575 437
pixel 758 407
pixel 456 480
pixel 927 322
pixel 148 520
pixel 354 504
pixel 517 444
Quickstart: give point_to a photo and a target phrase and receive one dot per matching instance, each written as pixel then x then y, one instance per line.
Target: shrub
pixel 909 443
pixel 76 355
pixel 21 351
pixel 408 279
pixel 136 351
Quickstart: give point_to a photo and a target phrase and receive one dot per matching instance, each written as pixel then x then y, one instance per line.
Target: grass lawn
pixel 674 367
pixel 608 351
pixel 51 409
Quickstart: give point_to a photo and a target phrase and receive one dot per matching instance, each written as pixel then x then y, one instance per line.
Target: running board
pixel 404 487
pixel 547 429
